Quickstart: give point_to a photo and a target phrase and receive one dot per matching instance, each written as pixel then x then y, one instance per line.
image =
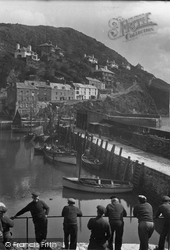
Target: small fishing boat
pixel 90 162
pixel 60 154
pixel 38 150
pixel 97 185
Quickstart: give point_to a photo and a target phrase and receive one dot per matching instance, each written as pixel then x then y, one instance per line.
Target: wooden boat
pixel 90 162
pixel 97 185
pixel 60 154
pixel 38 150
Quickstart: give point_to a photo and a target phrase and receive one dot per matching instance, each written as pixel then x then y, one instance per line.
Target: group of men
pixel 102 230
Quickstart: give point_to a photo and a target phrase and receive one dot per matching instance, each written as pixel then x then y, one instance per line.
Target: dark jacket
pixel 143 212
pixel 6 223
pixel 38 209
pixel 70 214
pixel 164 209
pixel 115 211
pixel 100 229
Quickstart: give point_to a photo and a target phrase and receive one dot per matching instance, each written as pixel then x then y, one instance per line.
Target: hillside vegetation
pixel 138 90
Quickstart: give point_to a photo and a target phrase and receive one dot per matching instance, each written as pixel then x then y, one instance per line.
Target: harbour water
pixel 21 171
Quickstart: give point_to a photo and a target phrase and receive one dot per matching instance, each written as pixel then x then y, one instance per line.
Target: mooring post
pixel 111 158
pixel 119 162
pixel 126 167
pixel 96 148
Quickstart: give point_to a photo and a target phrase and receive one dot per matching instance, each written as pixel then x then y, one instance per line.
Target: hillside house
pixel 50 51
pixel 91 59
pixel 139 66
pixel 25 52
pixel 104 75
pixel 126 66
pixel 112 64
pixel 95 82
pixel 22 96
pixel 61 92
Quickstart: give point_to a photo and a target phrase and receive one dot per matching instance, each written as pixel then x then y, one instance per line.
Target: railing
pixel 84 216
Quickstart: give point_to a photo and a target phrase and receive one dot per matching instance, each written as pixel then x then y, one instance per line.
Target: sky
pixel 151 50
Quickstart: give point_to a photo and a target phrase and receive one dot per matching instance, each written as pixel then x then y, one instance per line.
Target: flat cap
pixel 114 198
pixel 35 194
pixel 165 198
pixel 3 208
pixel 101 209
pixel 142 198
pixel 71 201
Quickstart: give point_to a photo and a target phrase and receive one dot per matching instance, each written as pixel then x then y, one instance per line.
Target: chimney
pixel 48 82
pixel 105 67
pixel 97 67
pixel 29 48
pixel 84 55
pixel 17 46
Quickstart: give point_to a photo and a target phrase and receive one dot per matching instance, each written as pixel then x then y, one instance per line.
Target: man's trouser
pixel 97 244
pixel 40 226
pixel 145 230
pixel 70 230
pixel 117 226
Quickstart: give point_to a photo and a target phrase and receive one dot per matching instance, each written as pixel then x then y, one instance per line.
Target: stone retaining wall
pixel 148 181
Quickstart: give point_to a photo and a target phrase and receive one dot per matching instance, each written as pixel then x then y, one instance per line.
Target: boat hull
pixel 64 157
pixel 116 187
pixel 93 164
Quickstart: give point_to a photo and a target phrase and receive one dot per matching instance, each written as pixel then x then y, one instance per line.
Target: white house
pixel 85 92
pixel 91 59
pixel 112 64
pixel 25 52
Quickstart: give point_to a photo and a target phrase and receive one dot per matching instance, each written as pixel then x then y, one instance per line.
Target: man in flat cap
pixel 164 210
pixel 39 212
pixel 115 212
pixel 100 230
pixel 5 224
pixel 70 227
pixel 144 212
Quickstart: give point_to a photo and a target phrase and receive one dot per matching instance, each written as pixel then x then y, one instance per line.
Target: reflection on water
pixel 21 172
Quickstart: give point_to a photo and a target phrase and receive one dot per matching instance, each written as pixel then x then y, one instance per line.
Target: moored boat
pixel 60 154
pixel 38 150
pixel 97 185
pixel 90 162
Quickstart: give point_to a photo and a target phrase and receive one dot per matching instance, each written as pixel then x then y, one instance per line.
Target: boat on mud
pixel 97 185
pixel 91 162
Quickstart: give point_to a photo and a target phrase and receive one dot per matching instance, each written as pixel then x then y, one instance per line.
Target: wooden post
pixel 105 156
pixel 118 165
pixel 96 149
pixel 101 146
pixel 126 167
pixel 111 158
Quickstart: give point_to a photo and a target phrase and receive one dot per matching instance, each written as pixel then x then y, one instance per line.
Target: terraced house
pixel 22 96
pixel 84 91
pixel 61 92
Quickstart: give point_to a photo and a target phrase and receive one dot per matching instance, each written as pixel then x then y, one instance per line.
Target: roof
pixel 93 79
pixel 104 70
pixel 85 86
pixel 60 86
pixel 23 85
pixel 38 84
pixel 46 45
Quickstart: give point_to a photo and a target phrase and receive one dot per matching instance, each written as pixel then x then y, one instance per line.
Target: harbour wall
pixel 146 180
